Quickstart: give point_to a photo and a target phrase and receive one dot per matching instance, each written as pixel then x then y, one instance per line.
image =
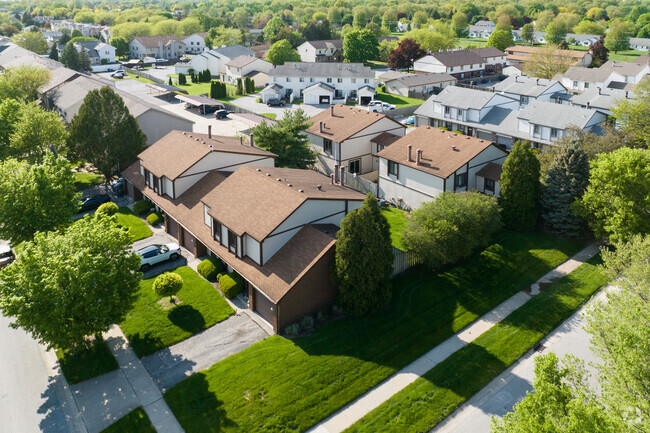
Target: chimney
pixel 241 140
pixel 332 110
pixel 453 147
pixel 209 131
pixel 409 155
pixel 599 90
pixel 332 176
pixel 626 94
pixel 419 156
pixel 537 81
pixel 588 104
pixel 252 140
pixel 342 175
pixel 336 173
pixel 320 126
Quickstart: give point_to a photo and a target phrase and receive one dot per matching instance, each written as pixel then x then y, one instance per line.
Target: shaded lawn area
pixel 269 115
pixel 87 363
pixel 397 220
pixel 625 56
pixel 465 42
pixel 138 229
pixel 150 328
pixel 398 101
pixel 282 385
pixel 428 400
pixel 86 180
pixel 135 421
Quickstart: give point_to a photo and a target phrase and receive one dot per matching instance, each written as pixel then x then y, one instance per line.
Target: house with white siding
pixel 247 66
pixel 640 44
pixel 420 83
pixel 215 60
pixel 349 138
pixel 195 43
pixel 429 161
pixel 527 89
pixel 167 47
pixel 467 63
pixel 321 51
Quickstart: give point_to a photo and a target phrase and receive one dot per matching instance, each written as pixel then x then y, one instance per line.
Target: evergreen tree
pixel 84 61
pixel 171 83
pixel 240 87
pixel 364 260
pixel 287 139
pixel 54 53
pixel 70 58
pixel 565 182
pixel 213 90
pixel 520 188
pixel 181 79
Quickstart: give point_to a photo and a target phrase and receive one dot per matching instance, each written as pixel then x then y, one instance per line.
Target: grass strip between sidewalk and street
pixel 150 328
pixel 427 401
pixel 135 421
pixel 279 385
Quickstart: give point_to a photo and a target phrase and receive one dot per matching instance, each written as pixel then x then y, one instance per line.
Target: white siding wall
pixel 491 154
pixel 413 186
pixel 155 124
pixel 168 187
pixel 252 248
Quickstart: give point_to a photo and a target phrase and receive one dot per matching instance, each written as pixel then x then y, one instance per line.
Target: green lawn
pixel 427 401
pixel 87 363
pixel 269 115
pixel 398 101
pixel 86 180
pixel 135 421
pixel 478 42
pixel 136 77
pixel 150 328
pixel 397 220
pixel 138 229
pixel 625 56
pixel 289 385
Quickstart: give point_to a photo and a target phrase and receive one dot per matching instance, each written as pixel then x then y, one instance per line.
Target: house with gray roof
pixel 247 66
pixel 610 74
pixel 167 47
pixel 349 81
pixel 640 44
pixel 98 51
pixel 499 118
pixel 601 99
pixel 215 60
pixel 466 63
pixel 420 83
pixel 528 89
pixel 321 51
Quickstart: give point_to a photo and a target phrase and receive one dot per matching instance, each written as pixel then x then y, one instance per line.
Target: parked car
pixel 118 74
pixel 90 203
pixel 154 254
pixel 117 186
pixel 221 114
pixel 6 255
pixel 212 108
pixel 275 102
pixel 409 121
pixel 380 106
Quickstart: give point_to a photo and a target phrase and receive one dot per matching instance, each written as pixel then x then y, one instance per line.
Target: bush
pixel 442 128
pixel 322 315
pixel 307 322
pixel 109 208
pixel 293 329
pixel 155 218
pixel 167 284
pixel 209 268
pixel 458 132
pixel 231 284
pixel 219 275
pixel 142 207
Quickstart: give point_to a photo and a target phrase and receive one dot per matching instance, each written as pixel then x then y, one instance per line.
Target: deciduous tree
pixel 272 27
pixel 67 285
pixel 364 260
pixel 633 115
pixel 520 188
pixel 282 52
pixel 617 38
pixel 527 32
pixel 405 54
pixel 121 46
pixel 31 40
pixel 360 46
pixel 37 132
pixel 500 39
pixel 547 61
pixel 22 82
pixel 287 139
pixel 104 132
pixel 599 52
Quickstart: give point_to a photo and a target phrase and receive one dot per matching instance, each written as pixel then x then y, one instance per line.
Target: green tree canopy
pixel 364 260
pixel 121 46
pixel 35 197
pixel 432 40
pixel 37 132
pixel 633 115
pixel 500 39
pixel 287 139
pixel 281 52
pixel 527 32
pixel 617 200
pixel 31 40
pixel 360 46
pixel 105 133
pixel 67 285
pixel 617 38
pixel 272 27
pixel 520 188
pixel 22 82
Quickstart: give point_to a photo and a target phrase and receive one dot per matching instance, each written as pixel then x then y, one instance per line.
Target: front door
pixel 470 131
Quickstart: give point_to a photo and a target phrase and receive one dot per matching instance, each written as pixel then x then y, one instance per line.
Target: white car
pixel 118 74
pixel 154 254
pixel 6 255
pixel 380 106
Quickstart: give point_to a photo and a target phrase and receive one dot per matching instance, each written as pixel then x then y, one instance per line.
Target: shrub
pixel 155 218
pixel 458 132
pixel 307 322
pixel 167 284
pixel 293 329
pixel 219 275
pixel 209 268
pixel 337 310
pixel 322 315
pixel 109 208
pixel 231 284
pixel 442 128
pixel 142 207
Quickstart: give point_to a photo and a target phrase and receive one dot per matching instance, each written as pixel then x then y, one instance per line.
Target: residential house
pixel 52 36
pixel 538 37
pixel 426 83
pixel 499 118
pixel 215 60
pixel 247 66
pixel 640 44
pixel 481 29
pixel 518 54
pixel 346 137
pixel 601 100
pixel 195 43
pixel 610 74
pixel 98 52
pixel 429 161
pixel 462 63
pixel 384 77
pixel 275 227
pixel 260 50
pixel 494 59
pixel 168 47
pixel 583 40
pixel 321 51
pixel 87 30
pixel 527 89
pixel 321 83
pixel 513 71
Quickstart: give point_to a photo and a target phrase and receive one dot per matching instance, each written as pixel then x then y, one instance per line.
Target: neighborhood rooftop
pixel 463 98
pixel 326 43
pixel 457 57
pixel 341 122
pixel 528 86
pixel 154 41
pixel 412 80
pixel 558 116
pixel 306 69
pixel 241 61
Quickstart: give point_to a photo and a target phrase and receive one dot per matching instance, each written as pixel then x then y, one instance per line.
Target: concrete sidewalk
pixel 372 399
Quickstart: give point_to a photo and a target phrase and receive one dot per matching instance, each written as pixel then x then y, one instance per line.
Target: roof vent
pixel 289 185
pixel 196 139
pixel 190 135
pixel 467 138
pixel 278 179
pixel 319 187
pixel 258 169
pixel 480 141
pixel 453 147
pixel 300 190
pixel 184 133
pixel 268 174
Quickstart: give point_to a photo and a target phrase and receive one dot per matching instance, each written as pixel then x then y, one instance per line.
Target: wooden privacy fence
pixel 360 184
pixel 403 261
pixel 145 75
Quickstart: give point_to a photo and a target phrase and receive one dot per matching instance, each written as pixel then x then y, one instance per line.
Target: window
pixel 232 241
pixel 311 80
pixel 451 69
pixel 302 80
pixel 329 80
pixel 459 114
pixel 206 218
pixel 553 132
pixel 536 130
pixel 524 100
pixel 366 81
pixel 288 80
pixel 393 168
pixel 354 80
pixel 488 185
pixel 354 166
pixel 586 85
pixel 216 226
pixel 447 111
pixel 339 80
pixel 461 180
pixel 575 84
pixel 327 146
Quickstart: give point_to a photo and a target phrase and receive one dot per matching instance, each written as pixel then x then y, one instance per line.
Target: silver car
pixel 6 255
pixel 154 254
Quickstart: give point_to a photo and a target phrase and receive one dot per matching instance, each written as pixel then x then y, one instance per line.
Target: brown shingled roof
pixel 443 152
pixel 256 200
pixel 385 139
pixel 241 61
pixel 516 49
pixel 177 151
pixel 153 41
pixel 491 171
pixel 345 122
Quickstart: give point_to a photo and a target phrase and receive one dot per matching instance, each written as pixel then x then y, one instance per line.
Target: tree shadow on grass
pixel 187 318
pixel 196 407
pixel 145 344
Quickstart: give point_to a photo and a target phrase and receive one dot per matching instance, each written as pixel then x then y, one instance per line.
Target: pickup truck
pixel 380 106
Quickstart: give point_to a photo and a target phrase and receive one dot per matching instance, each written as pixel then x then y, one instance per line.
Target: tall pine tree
pixel 565 182
pixel 520 188
pixel 54 52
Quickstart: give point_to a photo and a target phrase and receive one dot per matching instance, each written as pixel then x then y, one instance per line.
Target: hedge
pixel 231 284
pixel 155 218
pixel 209 268
pixel 142 207
pixel 109 208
